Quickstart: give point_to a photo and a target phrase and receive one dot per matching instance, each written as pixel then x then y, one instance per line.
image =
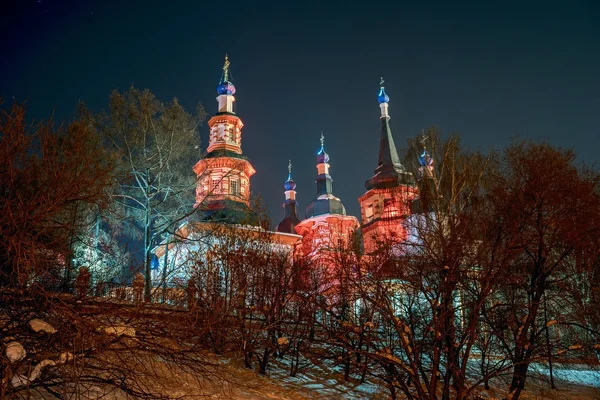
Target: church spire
pixel 323 179
pixel 290 216
pixel 383 99
pixel 429 198
pixel 325 202
pixel 425 159
pixel 389 172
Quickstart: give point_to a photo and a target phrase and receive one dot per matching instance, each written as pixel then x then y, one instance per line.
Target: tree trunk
pixel 524 346
pixel 247 355
pixel 147 269
pixel 548 349
pixel 69 258
pixel 164 274
pixel 346 366
pixel 264 362
pixel 296 359
pixel 518 381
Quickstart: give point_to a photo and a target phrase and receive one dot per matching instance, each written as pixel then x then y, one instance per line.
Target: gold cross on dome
pixel 423 138
pixel 226 68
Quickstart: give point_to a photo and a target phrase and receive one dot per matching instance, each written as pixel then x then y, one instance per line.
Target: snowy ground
pixel 227 379
pixel 324 381
pixel 570 373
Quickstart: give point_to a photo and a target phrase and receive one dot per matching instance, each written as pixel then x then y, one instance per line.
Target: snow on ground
pixel 325 381
pixel 313 382
pixel 227 379
pixel 570 373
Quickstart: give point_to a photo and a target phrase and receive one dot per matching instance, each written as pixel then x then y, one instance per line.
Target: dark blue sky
pixel 488 70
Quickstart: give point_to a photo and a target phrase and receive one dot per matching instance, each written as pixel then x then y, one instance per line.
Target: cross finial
pixel 290 167
pixel 423 138
pixel 226 68
pixel 381 81
pixel 322 139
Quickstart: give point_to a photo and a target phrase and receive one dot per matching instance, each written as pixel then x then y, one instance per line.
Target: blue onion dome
pixel 322 157
pixel 225 87
pixel 290 184
pixel 382 97
pixel 425 159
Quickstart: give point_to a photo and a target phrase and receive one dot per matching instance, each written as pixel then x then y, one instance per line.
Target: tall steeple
pixel 429 198
pixel 225 125
pixel 390 191
pixel 290 217
pixel 390 171
pixel 325 202
pixel 326 228
pixel 223 188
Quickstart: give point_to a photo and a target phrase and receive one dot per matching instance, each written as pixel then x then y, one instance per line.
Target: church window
pixel 233 188
pixel 369 212
pixel 216 186
pixel 231 135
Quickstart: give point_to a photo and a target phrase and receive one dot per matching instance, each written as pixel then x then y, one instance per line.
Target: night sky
pixel 487 70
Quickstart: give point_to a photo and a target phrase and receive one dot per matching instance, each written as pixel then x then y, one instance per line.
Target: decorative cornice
pixel 229 162
pixel 223 118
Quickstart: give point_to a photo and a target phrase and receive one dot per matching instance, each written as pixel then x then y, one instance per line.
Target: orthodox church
pixel 223 191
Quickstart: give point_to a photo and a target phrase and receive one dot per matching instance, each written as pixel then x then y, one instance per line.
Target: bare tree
pixel 548 210
pixel 417 306
pixel 156 143
pixel 47 177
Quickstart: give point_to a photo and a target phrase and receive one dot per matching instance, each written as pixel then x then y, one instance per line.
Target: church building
pixel 223 195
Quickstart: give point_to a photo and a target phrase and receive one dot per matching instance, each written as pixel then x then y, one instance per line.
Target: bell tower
pixel 290 217
pixel 390 191
pixel 223 186
pixel 327 229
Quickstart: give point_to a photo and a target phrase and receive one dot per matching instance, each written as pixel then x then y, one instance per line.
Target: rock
pixel 37 325
pixel 94 392
pixel 282 341
pixel 65 357
pixel 37 370
pixel 118 330
pixel 19 380
pixel 15 351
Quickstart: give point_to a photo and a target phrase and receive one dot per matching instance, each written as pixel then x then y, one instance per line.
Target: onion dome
pixel 322 157
pixel 290 184
pixel 225 87
pixel 382 97
pixel 425 159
